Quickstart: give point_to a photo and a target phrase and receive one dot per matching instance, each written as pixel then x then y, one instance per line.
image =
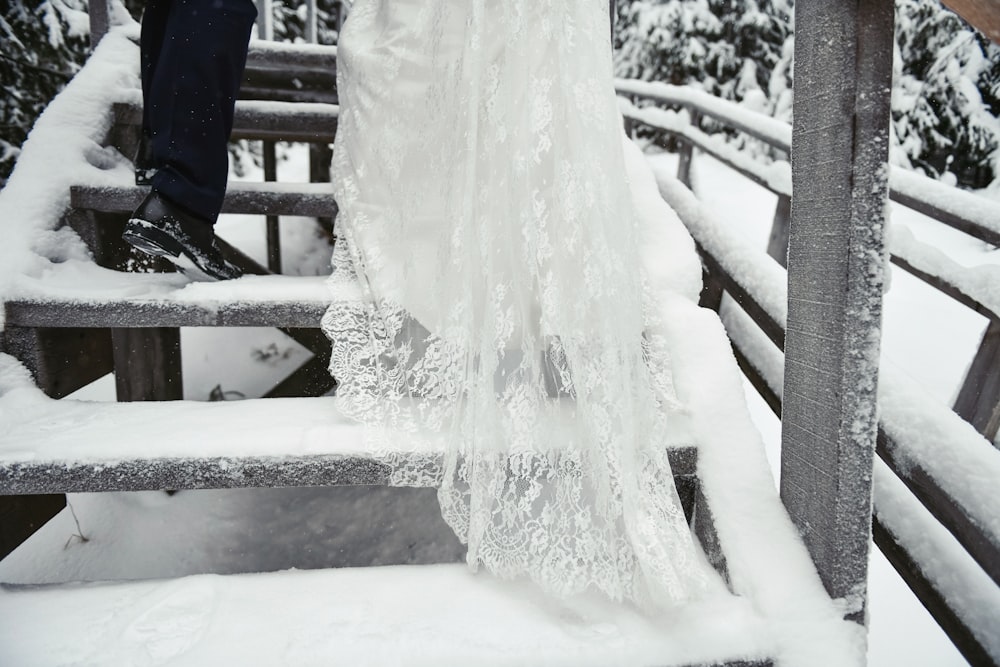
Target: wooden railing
pixel 678 111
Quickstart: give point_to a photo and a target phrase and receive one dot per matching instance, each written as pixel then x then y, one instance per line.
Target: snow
pixel 975 208
pixel 54 157
pixel 413 615
pixel 968 590
pixel 773 131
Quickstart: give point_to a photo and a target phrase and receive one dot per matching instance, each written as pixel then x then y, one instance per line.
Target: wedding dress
pixel 492 327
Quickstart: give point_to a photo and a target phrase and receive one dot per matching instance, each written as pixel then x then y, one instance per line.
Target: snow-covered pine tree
pixel 946 96
pixel 44 44
pixel 726 47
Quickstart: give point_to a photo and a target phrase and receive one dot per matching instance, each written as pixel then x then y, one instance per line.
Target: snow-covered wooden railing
pixel 978 400
pixel 940 527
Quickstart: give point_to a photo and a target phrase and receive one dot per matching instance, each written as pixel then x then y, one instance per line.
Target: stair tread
pixel 260 119
pixel 299 199
pixel 82 294
pixel 64 445
pixel 407 614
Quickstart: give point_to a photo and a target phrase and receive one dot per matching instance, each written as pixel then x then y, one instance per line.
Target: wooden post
pixel 148 364
pixel 843 68
pixel 777 244
pixel 978 401
pixel 273 228
pixel 100 20
pixel 687 154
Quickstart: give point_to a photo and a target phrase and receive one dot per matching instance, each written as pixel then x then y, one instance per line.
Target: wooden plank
pixel 155 313
pixel 311 379
pixel 932 599
pixel 777 244
pixel 744 298
pixel 272 221
pixel 22 516
pixel 843 66
pixel 949 215
pixel 311 200
pixel 945 287
pixel 61 359
pixel 274 121
pixel 980 546
pixel 147 364
pixel 229 472
pixel 978 401
pixel 290 56
pixel 100 13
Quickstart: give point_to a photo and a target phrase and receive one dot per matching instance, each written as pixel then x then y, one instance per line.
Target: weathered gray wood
pixel 777 244
pixel 301 199
pixel 687 155
pixel 909 570
pixel 703 526
pixel 743 297
pixel 949 215
pixel 230 472
pixel 61 359
pixel 271 221
pixel 311 379
pixel 981 546
pixel 291 57
pixel 274 121
pixel 843 68
pixel 22 516
pixel 130 314
pixel 147 364
pixel 100 13
pixel 945 287
pixel 978 401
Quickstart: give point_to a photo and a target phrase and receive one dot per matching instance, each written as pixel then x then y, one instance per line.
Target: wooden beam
pixel 22 516
pixel 843 72
pixel 148 364
pixel 978 401
pixel 61 360
pixel 984 15
pixel 100 12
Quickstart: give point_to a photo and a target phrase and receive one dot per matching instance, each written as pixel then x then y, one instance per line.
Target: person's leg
pixel 191 98
pixel 154 25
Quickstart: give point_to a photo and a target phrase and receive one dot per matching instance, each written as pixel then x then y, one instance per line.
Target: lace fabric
pixel 499 343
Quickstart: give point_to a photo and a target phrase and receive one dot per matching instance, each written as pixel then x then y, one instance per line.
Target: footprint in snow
pixel 174 622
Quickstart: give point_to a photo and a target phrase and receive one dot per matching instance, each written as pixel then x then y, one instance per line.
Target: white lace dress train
pixel 500 346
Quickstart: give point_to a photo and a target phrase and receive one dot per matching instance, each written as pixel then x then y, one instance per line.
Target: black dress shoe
pixel 161 228
pixel 143 162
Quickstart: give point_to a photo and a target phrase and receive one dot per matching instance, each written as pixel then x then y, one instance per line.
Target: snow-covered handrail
pixel 967 212
pixel 954 483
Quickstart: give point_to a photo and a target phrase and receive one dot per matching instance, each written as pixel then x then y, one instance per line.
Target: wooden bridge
pixel 805 336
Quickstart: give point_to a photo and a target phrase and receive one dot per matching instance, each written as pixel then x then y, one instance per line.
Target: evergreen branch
pixel 37 68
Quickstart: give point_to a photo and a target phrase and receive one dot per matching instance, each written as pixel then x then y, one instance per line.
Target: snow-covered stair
pixel 434 615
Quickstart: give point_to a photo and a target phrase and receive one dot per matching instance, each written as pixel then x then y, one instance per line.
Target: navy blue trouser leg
pixel 193 55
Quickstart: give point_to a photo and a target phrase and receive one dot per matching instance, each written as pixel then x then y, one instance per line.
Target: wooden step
pixel 415 615
pixel 75 446
pixel 260 119
pixel 89 296
pixel 313 200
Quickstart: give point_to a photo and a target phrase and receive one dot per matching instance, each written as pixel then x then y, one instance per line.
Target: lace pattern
pixel 501 347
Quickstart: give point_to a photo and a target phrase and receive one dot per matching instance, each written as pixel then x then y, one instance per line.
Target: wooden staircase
pixel 79 320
